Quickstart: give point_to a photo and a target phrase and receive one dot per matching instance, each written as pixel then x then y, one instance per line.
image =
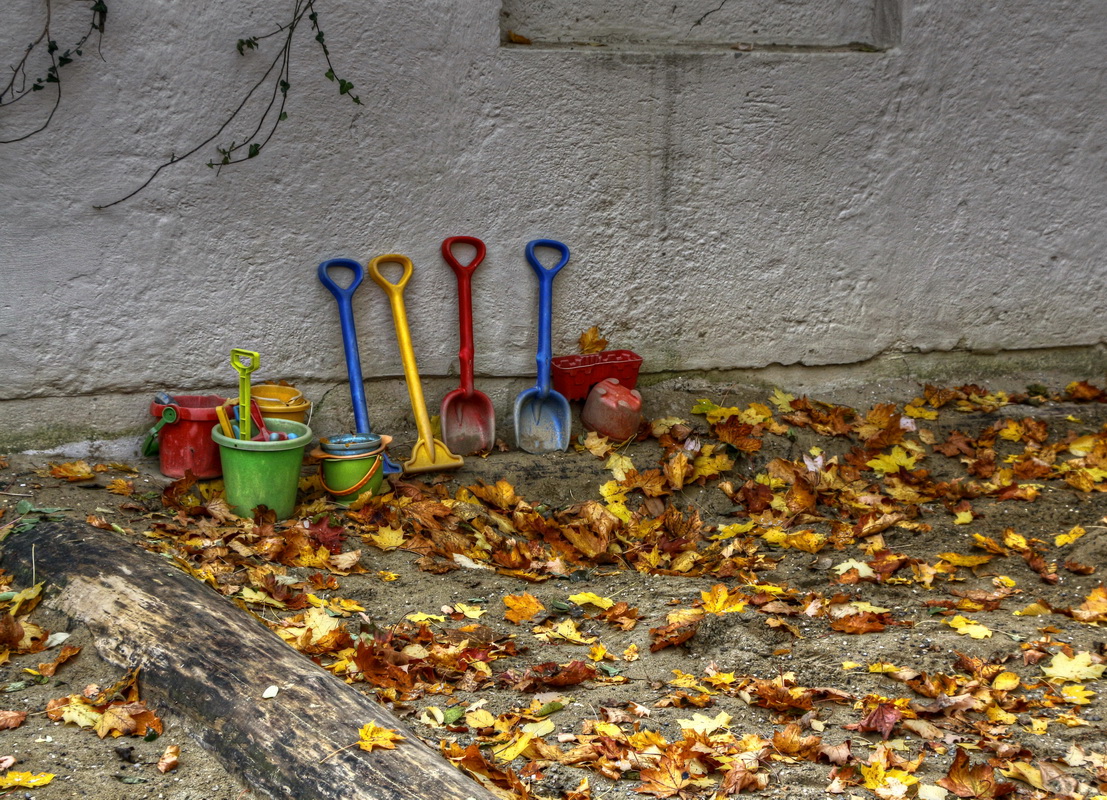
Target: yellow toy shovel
pixel 429 454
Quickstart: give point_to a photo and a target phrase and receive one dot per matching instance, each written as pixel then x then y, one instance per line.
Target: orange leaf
pixel 522 607
pixel 591 341
pixel 72 471
pixel 667 779
pixel 975 781
pixel 170 758
pixel 66 653
pixel 11 719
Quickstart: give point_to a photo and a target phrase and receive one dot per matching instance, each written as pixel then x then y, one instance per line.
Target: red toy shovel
pixel 467 416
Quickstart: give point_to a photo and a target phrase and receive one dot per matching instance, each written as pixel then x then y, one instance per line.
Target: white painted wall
pixel 724 208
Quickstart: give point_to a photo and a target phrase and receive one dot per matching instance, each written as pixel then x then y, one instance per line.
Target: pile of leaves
pixel 848 491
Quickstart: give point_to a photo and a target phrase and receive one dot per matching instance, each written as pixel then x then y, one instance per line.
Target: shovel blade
pixel 431 456
pixel 468 423
pixel 542 424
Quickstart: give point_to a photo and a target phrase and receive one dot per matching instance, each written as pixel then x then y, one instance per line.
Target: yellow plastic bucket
pixel 281 402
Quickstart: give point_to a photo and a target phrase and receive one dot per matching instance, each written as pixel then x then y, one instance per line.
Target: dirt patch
pixel 793 539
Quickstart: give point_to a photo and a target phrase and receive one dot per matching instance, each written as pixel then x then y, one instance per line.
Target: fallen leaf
pixel 968 627
pixel 26 780
pixel 973 780
pixel 11 719
pixel 372 736
pixel 1075 668
pixel 590 341
pixel 522 607
pixel 170 758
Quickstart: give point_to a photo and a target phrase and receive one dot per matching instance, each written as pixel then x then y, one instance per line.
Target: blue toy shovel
pixel 542 417
pixel 349 344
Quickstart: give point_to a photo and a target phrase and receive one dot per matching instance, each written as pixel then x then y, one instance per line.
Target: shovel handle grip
pixel 390 288
pixel 545 306
pixel 244 361
pixel 329 282
pixel 537 265
pixel 464 274
pixel 457 266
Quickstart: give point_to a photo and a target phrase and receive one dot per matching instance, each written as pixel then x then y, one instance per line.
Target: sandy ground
pixel 788 637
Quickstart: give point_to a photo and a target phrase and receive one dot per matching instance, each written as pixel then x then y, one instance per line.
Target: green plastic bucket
pixel 347 478
pixel 263 473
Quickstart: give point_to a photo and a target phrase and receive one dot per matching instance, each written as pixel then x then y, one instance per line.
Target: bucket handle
pixel 356 487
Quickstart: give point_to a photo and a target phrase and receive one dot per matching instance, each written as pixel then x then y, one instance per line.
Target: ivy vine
pixel 275 83
pixel 277 78
pixel 21 86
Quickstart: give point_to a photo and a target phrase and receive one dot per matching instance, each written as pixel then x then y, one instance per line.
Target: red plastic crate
pixel 574 376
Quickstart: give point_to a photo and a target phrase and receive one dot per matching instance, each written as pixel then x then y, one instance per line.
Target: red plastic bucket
pixel 187 444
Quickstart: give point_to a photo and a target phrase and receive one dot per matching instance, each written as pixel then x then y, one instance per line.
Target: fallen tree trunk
pixel 212 662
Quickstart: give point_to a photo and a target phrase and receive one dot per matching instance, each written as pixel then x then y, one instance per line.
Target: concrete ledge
pixel 113 424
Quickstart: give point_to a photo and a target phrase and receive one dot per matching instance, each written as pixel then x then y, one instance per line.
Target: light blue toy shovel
pixel 542 417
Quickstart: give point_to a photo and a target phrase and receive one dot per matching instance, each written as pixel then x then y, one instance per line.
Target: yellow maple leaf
pixel 514 748
pixel 883 667
pixel 613 492
pixel 1032 610
pixel 963 518
pixel 891 463
pixel 421 617
pixel 782 400
pixel 480 718
pixel 707 464
pixel 81 713
pixel 591 342
pixel 27 780
pixel 1039 726
pixel 863 569
pixel 593 598
pixel 373 736
pixel 730 531
pixel 916 410
pixel 598 652
pixel 877 778
pixel 848 665
pixel 959 560
pixel 564 631
pixel 387 576
pixel 997 715
pixel 121 486
pixel 631 653
pixel 597 445
pixel 968 627
pixel 1077 668
pixel 1006 681
pixel 256 597
pixel 619 466
pixel 1077 694
pixel 719 600
pixel 387 538
pixel 470 611
pixel 1062 539
pixel 701 723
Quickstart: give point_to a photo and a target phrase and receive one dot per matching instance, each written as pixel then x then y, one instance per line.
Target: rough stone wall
pixel 930 178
